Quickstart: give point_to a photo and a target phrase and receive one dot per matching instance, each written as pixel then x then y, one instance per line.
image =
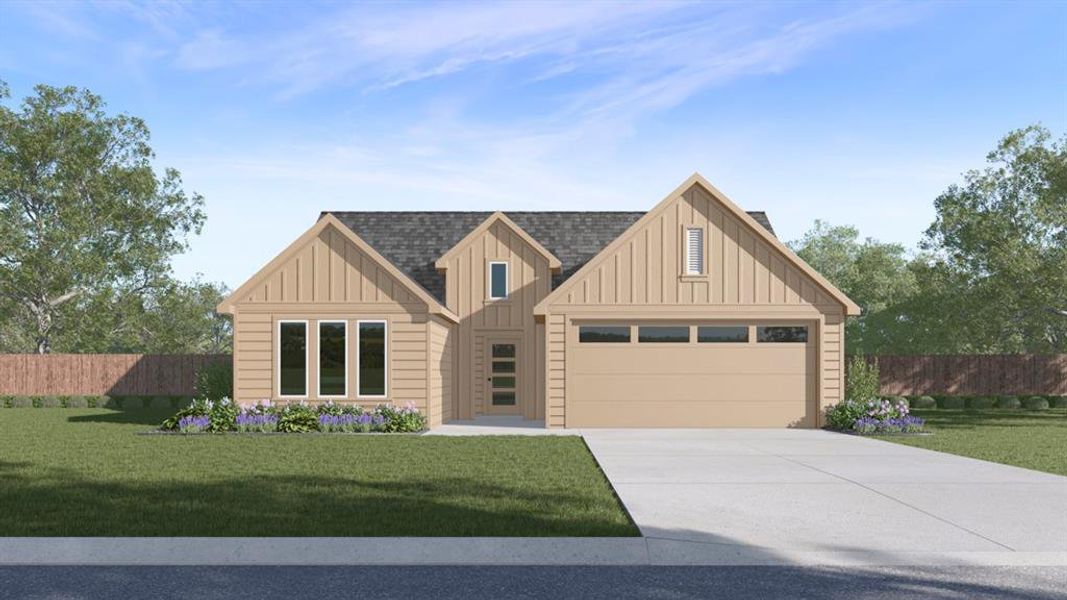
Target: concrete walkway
pixel 797 494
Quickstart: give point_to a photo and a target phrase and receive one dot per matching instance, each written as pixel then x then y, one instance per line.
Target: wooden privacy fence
pixel 102 374
pixel 973 375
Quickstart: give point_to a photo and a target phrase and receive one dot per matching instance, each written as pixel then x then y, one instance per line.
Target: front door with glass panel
pixel 502 377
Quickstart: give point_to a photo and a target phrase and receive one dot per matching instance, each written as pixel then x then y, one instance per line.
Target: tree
pixel 173 318
pixel 875 275
pixel 1002 235
pixel 82 212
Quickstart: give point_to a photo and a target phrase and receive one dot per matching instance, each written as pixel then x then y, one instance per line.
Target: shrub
pixel 924 402
pixel 77 402
pixel 214 382
pixel 7 401
pixel 297 418
pixel 952 402
pixel 22 402
pixel 37 401
pixel 982 402
pixel 50 402
pixel 108 402
pixel 196 409
pixel 861 379
pixel 400 420
pixel 223 415
pixel 1057 401
pixel 1009 402
pixel 1036 403
pixel 161 402
pixel 179 401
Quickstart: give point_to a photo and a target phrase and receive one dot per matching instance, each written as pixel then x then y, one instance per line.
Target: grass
pixel 84 472
pixel 1031 439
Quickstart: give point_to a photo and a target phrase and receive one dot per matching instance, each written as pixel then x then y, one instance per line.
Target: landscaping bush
pixel 861 379
pixel 256 421
pixel 400 420
pixel 1009 402
pixel 22 402
pixel 223 415
pixel 1057 401
pixel 196 409
pixel 329 408
pixel 214 382
pixel 108 402
pixel 1036 403
pixel 924 402
pixel 844 415
pixel 37 401
pixel 297 418
pixel 982 402
pixel 50 402
pixel 77 402
pixel 7 401
pixel 905 424
pixel 194 424
pixel 161 402
pixel 952 402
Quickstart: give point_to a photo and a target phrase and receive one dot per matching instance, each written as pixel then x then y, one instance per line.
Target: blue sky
pixel 855 113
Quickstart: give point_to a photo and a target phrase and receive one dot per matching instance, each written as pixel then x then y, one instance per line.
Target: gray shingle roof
pixel 413 241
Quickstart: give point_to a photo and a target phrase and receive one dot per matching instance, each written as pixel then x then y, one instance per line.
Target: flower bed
pixel 870 417
pixel 265 417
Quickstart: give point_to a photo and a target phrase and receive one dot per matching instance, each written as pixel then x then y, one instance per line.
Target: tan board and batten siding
pixel 750 280
pixel 326 275
pixel 482 319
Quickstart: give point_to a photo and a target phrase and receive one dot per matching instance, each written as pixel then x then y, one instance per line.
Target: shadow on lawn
pixel 133 416
pixel 61 502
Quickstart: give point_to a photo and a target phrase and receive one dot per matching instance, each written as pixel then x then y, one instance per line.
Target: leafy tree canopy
pixel 87 225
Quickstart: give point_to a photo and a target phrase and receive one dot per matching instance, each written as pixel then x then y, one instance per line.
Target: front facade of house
pixel 692 314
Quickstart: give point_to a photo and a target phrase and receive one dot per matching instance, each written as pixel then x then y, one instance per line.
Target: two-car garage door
pixel 646 374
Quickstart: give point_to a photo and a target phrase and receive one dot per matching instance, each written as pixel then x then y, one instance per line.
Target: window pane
pixel 372 359
pixel 647 333
pixel 504 367
pixel 503 350
pixel 504 382
pixel 332 359
pixel 600 334
pixel 292 359
pixel 782 334
pixel 498 280
pixel 503 398
pixel 722 334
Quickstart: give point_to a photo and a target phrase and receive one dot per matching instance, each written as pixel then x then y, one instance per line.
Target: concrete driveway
pixel 814 495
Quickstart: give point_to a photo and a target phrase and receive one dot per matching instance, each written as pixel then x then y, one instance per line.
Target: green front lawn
pixel 1031 439
pixel 68 472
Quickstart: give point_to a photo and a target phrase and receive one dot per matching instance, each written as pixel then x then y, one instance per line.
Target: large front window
pixel 333 374
pixel 292 358
pixel 372 348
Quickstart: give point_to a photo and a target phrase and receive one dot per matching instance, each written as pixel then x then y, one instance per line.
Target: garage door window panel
pixel 660 334
pixel 779 334
pixel 722 335
pixel 604 334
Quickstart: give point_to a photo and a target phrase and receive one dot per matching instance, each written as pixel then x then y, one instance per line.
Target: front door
pixel 502 378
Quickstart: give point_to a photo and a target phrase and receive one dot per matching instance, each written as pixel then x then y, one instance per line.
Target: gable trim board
pixel 561 277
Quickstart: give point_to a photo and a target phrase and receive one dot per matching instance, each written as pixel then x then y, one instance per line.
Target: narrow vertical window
pixel 372 352
pixel 498 280
pixel 292 358
pixel 694 251
pixel 333 358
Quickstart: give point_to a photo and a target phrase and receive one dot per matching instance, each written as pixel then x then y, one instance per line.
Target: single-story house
pixel 692 314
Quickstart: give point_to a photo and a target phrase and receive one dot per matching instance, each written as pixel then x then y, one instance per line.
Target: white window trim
pixel 703 255
pixel 318 357
pixel 507 279
pixel 278 358
pixel 385 363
